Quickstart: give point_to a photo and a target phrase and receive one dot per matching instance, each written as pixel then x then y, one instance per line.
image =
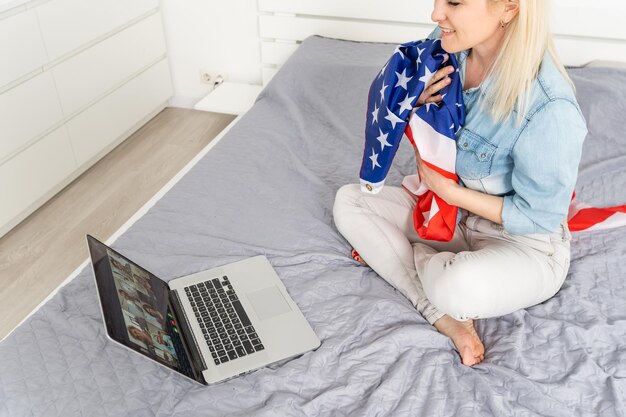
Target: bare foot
pixel 464 337
pixel 357 257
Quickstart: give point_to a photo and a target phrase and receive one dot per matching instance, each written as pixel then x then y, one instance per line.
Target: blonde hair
pixel 516 66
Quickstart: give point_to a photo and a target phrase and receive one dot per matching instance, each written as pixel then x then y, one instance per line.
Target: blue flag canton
pixel 394 93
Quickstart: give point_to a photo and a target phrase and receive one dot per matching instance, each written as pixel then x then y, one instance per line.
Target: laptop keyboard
pixel 225 325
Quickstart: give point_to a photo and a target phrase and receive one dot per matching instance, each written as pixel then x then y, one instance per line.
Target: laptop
pixel 210 326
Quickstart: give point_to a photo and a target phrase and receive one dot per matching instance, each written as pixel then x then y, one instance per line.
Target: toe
pixel 467 356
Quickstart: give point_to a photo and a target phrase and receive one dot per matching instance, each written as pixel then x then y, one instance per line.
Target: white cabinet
pixel 90 74
pixel 77 78
pixel 29 175
pixel 27 110
pixel 21 57
pixel 90 132
pixel 66 25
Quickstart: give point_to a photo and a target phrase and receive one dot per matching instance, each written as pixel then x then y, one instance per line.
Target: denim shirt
pixel 532 166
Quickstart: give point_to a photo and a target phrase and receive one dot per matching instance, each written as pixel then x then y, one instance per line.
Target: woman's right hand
pixel 439 80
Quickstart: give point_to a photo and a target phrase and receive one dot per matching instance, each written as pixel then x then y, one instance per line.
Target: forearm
pixel 484 205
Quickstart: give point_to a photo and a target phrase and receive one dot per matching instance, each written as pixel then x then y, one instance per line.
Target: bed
pixel 268 188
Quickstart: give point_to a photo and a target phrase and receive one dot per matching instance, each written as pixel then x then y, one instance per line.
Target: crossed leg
pixel 381 227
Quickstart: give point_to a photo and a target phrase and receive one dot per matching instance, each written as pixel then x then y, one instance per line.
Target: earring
pixel 502 24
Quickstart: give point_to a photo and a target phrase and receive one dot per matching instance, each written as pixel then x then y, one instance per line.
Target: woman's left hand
pixel 434 181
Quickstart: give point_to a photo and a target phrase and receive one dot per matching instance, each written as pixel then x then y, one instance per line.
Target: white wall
pixel 214 34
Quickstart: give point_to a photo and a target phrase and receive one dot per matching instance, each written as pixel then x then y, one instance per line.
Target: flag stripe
pixel 592 218
pixel 434 147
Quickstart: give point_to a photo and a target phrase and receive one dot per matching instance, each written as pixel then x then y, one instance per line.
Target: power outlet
pixel 211 77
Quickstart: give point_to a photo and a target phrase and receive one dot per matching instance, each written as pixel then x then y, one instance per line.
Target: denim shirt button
pixel 465 145
pixel 482 155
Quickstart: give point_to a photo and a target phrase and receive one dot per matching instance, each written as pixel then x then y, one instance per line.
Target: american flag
pixel 584 217
pixel 431 128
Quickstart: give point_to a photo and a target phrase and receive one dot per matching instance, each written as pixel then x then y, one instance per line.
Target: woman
pixel 139 334
pixel 156 316
pixel 517 159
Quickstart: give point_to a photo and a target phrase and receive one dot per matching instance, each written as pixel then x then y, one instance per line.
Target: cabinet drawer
pixel 31 174
pixel 21 46
pixel 100 68
pixel 101 124
pixel 27 110
pixel 68 24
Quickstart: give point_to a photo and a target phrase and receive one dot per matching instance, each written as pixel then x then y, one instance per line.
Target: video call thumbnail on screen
pixel 144 323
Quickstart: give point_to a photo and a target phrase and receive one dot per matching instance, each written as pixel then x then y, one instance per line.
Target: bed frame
pixel 584 30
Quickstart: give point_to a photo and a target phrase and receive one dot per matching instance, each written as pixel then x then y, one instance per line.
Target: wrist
pixel 453 197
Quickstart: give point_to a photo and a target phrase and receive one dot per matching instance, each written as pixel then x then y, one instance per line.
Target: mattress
pixel 268 188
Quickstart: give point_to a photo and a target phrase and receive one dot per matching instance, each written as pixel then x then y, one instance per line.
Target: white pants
pixel 482 272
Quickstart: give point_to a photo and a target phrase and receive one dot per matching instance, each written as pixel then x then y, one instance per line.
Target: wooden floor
pixel 42 251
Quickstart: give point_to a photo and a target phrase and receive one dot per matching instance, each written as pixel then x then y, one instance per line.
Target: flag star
pixel 403 79
pixel 383 140
pixel 406 103
pixel 427 75
pixel 452 126
pixel 375 114
pixel 458 105
pixel 419 54
pixel 382 71
pixel 374 159
pixel 443 96
pixel 434 209
pixel 382 92
pixel 428 106
pixel 393 118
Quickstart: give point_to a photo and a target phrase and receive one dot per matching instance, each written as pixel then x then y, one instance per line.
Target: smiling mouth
pixel 446 30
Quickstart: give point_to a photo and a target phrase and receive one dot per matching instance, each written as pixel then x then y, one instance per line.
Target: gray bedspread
pixel 268 188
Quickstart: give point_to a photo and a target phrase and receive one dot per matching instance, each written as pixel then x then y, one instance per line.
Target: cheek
pixel 467 38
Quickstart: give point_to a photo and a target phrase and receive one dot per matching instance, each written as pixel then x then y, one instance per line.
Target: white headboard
pixel 584 30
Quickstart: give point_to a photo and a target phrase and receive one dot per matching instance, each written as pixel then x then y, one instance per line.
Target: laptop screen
pixel 135 304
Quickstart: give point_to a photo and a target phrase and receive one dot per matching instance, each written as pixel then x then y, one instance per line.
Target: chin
pixel 450 47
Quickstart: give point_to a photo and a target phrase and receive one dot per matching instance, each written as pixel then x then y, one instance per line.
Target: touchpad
pixel 268 302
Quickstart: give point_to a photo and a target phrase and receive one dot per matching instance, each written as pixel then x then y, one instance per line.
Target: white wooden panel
pixel 598 63
pixel 100 68
pixel 299 28
pixel 268 74
pixel 598 18
pixel 276 53
pixel 578 52
pixel 584 18
pixel 21 46
pixel 101 124
pixel 27 177
pixel 68 24
pixel 10 4
pixel 572 51
pixel 27 111
pixel 394 11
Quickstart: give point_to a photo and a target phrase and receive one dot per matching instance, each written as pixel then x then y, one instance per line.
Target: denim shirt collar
pixel 471 95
